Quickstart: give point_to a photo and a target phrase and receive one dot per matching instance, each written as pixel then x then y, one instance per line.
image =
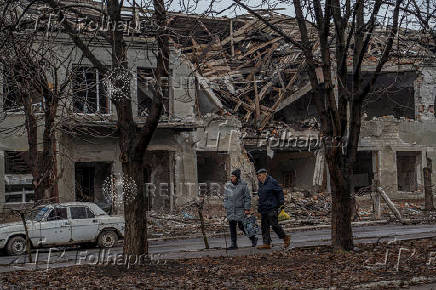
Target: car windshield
pixel 38 213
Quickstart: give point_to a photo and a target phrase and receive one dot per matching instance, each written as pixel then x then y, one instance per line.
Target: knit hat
pixel 262 170
pixel 237 173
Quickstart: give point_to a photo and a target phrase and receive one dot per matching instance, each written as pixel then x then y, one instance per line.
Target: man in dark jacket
pixel 237 201
pixel 271 202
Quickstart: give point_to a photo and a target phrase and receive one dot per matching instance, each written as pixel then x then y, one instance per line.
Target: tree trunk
pixel 342 233
pixel 44 171
pixel 135 210
pixel 429 205
pixel 342 203
pixel 132 143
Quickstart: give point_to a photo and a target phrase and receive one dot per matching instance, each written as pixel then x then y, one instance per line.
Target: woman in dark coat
pixel 237 202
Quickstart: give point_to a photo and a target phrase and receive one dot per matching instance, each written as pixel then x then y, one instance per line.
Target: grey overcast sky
pixel 220 5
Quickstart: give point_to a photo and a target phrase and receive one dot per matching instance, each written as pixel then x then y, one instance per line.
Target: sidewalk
pixel 194 247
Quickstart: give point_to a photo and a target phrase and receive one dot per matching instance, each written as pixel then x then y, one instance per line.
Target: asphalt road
pixel 194 247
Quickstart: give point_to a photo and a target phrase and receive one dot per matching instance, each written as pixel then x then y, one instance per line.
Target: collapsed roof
pixel 241 62
pixel 248 61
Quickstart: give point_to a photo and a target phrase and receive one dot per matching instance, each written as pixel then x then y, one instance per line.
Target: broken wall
pixel 293 169
pixel 385 136
pixel 223 134
pixel 425 93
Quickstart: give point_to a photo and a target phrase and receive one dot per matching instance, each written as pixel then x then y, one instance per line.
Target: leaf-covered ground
pixel 299 269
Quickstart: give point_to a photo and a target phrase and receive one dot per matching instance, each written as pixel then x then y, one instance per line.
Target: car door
pixel 55 228
pixel 84 225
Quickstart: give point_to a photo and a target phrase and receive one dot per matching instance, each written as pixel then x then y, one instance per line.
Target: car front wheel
pixel 107 239
pixel 16 246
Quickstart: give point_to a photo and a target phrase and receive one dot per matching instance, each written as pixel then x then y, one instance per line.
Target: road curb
pixel 291 229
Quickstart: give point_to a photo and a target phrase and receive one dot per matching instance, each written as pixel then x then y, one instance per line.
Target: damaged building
pixel 227 76
pixel 260 78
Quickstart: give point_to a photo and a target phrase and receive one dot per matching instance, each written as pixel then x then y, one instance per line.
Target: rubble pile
pixel 185 222
pixel 306 208
pixel 410 210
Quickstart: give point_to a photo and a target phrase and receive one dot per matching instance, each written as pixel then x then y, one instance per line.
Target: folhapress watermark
pixel 103 257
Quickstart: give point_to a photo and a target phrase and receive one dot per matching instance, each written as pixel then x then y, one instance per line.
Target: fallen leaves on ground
pixel 306 268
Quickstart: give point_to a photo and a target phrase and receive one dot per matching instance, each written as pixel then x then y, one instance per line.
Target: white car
pixel 63 224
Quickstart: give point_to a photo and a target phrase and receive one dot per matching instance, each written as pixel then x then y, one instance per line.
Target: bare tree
pixel 132 141
pixel 31 74
pixel 340 31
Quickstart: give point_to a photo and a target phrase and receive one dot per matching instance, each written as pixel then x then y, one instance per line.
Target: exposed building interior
pixel 157 172
pixel 293 170
pixel 393 94
pixel 408 163
pixel 363 173
pixel 213 167
pixel 90 179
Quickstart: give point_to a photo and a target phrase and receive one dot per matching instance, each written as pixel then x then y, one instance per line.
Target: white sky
pixel 219 5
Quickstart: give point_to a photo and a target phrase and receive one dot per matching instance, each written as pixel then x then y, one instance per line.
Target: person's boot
pixel 264 247
pixel 286 241
pixel 254 241
pixel 234 246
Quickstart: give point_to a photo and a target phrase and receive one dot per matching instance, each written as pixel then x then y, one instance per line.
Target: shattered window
pixel 11 95
pixel 90 96
pixel 18 177
pixel 145 88
pixel 17 162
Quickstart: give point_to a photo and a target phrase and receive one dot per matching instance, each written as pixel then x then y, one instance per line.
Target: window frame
pixel 21 180
pixel 56 208
pixel 86 212
pixel 19 109
pixel 169 82
pixel 77 68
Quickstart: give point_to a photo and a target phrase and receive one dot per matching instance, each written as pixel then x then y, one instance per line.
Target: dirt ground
pixel 306 268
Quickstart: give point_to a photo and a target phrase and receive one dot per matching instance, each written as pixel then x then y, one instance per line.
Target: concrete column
pixel 421 162
pixel 185 176
pixel 318 174
pixel 171 165
pixel 2 180
pixel 376 165
pixel 388 170
pixel 65 168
